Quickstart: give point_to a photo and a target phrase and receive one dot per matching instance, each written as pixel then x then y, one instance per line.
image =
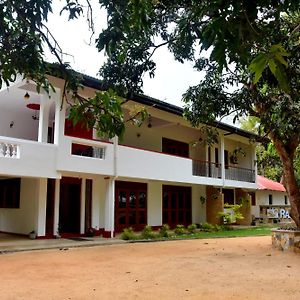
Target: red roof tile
pixel 268 184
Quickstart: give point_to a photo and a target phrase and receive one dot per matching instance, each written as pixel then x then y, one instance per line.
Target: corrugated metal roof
pixel 264 183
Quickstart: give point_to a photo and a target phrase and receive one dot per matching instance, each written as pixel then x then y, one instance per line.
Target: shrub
pixel 128 234
pixel 192 228
pixel 147 233
pixel 179 230
pixel 207 227
pixel 164 231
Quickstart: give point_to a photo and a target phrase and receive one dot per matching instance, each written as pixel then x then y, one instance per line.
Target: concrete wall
pixel 24 219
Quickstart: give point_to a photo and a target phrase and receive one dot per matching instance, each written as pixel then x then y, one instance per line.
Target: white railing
pixel 9 150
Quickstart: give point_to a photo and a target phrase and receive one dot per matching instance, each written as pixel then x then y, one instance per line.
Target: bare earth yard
pixel 232 268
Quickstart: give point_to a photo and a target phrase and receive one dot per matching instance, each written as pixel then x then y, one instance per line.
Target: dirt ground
pixel 236 268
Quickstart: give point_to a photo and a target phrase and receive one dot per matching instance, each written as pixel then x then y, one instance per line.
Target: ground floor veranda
pixel 77 206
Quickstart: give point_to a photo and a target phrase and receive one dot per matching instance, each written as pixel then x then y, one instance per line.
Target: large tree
pixel 253 46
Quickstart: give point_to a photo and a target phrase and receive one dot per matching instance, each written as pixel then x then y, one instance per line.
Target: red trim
pixel 34 106
pixel 107 234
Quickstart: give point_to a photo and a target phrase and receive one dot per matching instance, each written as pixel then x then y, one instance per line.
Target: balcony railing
pixel 239 174
pixel 88 151
pixel 206 169
pixel 9 150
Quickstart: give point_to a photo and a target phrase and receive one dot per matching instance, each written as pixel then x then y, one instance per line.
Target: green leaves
pixel 274 59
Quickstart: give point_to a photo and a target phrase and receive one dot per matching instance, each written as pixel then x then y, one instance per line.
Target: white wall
pixel 24 127
pixel 98 205
pixel 24 219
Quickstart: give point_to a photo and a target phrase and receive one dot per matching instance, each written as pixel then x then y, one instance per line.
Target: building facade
pixel 57 179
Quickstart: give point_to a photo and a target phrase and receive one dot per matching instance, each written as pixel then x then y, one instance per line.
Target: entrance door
pixel 177 205
pixel 69 205
pixel 130 205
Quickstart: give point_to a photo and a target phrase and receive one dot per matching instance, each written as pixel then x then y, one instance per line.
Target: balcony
pixel 20 157
pixel 207 169
pixel 85 156
pixel 239 174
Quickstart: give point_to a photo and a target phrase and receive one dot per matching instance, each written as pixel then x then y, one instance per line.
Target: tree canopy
pixel 253 47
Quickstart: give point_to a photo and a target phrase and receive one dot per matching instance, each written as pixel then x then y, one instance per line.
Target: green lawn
pixel 236 232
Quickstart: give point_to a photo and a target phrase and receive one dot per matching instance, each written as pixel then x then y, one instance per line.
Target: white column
pixel 98 201
pixel 222 157
pixel 41 207
pixel 109 207
pixel 56 208
pixel 59 125
pixel 44 118
pixel 82 206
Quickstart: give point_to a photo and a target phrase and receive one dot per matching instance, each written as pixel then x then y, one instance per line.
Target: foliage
pixel 179 229
pixel 164 231
pixel 128 234
pixel 207 227
pixel 147 233
pixel 267 158
pixel 231 213
pixel 192 228
pixel 248 49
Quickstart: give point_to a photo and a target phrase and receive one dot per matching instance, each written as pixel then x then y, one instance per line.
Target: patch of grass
pixel 235 232
pixel 180 232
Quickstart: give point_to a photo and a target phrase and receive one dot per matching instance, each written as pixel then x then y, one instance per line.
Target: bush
pixel 192 228
pixel 128 234
pixel 164 231
pixel 207 227
pixel 147 233
pixel 179 230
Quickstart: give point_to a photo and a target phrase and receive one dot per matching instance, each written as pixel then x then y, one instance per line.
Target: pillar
pixel 44 118
pixel 56 208
pixel 82 206
pixel 60 116
pixel 41 207
pixel 109 222
pixel 214 205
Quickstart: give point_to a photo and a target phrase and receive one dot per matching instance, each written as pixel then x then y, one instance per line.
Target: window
pixel 10 193
pixel 270 199
pixel 175 147
pixel 285 200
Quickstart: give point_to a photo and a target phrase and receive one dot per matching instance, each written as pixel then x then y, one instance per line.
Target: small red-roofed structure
pixel 264 183
pixel 271 202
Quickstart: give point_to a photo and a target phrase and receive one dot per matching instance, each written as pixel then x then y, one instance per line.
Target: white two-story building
pixel 59 179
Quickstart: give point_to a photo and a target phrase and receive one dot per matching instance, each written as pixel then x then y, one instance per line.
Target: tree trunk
pixel 290 180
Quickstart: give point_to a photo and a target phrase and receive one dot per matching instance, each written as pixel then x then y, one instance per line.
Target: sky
pixel 172 78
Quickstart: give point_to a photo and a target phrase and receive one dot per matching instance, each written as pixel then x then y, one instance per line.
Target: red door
pixel 130 205
pixel 177 205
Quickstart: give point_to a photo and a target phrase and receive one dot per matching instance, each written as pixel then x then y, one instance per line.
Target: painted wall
pixel 24 219
pixel 24 127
